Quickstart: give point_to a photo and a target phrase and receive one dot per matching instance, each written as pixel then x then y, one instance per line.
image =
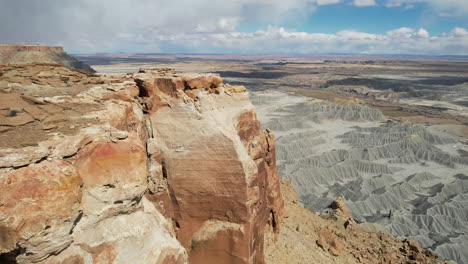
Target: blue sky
pixel 427 27
pixel 371 19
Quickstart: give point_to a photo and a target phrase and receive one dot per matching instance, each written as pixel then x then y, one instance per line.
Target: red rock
pixel 419 257
pixel 325 233
pixel 37 198
pixel 337 247
pixel 321 242
pixel 112 172
pixel 202 81
pixel 235 88
pixel 414 246
pixel 340 208
pixel 102 254
pixel 110 163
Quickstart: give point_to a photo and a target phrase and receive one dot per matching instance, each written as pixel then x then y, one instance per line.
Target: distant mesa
pixel 27 54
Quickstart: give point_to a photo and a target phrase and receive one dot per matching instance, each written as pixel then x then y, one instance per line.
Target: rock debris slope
pixel 408 179
pixel 153 167
pixel 27 54
pixel 306 237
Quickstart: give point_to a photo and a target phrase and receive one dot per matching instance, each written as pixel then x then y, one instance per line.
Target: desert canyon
pixel 141 163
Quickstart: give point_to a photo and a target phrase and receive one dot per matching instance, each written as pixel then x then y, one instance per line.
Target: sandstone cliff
pixel 26 54
pixel 154 167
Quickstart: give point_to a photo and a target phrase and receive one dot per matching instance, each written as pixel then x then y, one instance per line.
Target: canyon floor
pixel 389 134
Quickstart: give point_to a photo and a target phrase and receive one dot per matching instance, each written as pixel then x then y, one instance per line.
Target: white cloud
pixel 356 35
pixel 328 2
pixel 280 40
pixel 422 33
pixel 453 7
pixel 459 32
pixel 361 3
pixel 403 32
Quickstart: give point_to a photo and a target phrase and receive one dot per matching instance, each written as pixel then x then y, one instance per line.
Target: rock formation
pixel 153 167
pixel 26 54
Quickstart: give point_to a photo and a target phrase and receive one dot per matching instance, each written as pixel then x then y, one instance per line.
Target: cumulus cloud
pixel 403 32
pixel 422 33
pixel 328 2
pixel 364 3
pixel 281 40
pixel 459 32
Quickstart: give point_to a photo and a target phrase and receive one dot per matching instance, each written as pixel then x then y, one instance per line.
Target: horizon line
pixel 247 54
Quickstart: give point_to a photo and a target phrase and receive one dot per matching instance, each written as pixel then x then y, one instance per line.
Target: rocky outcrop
pixel 153 167
pixel 214 166
pixel 27 54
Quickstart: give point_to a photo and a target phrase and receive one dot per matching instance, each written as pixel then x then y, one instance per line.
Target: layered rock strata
pixel 153 167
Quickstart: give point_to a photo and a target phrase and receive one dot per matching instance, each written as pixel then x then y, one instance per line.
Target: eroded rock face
pixel 216 163
pixel 154 167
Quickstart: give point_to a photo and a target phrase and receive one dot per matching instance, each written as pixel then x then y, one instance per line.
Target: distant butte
pixel 28 54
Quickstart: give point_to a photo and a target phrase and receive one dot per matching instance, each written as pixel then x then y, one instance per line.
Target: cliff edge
pixel 27 54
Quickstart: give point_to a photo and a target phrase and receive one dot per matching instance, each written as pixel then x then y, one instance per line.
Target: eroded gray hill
pixel 410 179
